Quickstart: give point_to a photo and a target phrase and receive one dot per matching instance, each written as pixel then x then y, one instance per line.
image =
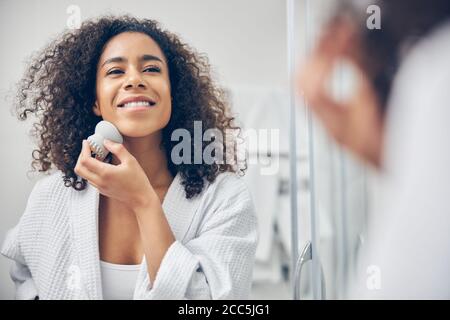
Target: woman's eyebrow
pixel 145 57
pixel 149 57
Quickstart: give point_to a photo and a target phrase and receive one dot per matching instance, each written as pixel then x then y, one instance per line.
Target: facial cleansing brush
pixel 103 130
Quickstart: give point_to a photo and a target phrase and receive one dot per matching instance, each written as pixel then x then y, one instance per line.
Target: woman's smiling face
pixel 133 85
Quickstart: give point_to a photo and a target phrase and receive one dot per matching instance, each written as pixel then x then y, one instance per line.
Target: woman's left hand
pixel 126 182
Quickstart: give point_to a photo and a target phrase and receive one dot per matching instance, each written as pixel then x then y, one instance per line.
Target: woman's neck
pixel 151 157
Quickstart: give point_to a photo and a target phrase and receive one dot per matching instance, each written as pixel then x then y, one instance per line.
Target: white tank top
pixel 118 280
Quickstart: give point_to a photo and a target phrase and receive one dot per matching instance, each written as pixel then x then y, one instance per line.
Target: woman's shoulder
pixel 227 207
pixel 228 190
pixel 47 195
pixel 46 200
pixel 49 185
pixel 228 183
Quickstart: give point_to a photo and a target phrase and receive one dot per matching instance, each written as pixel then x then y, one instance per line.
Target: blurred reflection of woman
pixel 396 120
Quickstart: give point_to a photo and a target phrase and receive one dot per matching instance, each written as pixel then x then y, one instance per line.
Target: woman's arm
pixel 128 183
pixel 19 272
pixel 156 235
pixel 218 262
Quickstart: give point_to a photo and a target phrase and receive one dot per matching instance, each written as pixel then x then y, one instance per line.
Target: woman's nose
pixel 135 80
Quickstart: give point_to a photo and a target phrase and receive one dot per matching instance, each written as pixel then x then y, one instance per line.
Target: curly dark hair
pixel 59 89
pixel 404 23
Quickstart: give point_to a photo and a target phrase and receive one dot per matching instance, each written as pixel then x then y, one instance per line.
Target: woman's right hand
pixel 356 123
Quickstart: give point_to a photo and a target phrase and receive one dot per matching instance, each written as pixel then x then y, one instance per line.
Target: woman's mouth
pixel 137 104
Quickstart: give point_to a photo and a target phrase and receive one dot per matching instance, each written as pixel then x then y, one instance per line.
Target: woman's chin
pixel 134 134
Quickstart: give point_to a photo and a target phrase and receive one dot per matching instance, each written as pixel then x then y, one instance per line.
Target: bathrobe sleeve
pixel 19 272
pixel 218 263
pixel 11 248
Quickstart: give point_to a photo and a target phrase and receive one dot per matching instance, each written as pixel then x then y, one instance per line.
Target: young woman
pixel 140 225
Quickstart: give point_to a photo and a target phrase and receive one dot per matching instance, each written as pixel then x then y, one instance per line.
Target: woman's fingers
pixel 83 172
pixel 85 149
pixel 94 185
pixel 89 168
pixel 315 76
pixel 118 150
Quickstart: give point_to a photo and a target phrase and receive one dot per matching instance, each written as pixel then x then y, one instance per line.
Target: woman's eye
pixel 114 71
pixel 153 69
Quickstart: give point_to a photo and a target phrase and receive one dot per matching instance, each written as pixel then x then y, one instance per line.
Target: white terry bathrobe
pixel 56 252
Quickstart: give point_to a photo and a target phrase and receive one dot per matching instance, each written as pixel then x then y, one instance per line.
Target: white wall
pixel 244 39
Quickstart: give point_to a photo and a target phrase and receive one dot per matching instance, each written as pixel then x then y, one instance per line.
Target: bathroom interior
pixel 311 196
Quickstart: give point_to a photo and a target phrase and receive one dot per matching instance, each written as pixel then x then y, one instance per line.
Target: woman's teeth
pixel 137 104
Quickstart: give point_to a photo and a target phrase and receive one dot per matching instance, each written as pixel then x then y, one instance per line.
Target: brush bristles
pixel 96 149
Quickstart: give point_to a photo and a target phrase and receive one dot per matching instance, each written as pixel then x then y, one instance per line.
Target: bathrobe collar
pixel 84 210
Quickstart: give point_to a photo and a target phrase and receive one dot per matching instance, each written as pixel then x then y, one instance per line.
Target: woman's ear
pixel 96 109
